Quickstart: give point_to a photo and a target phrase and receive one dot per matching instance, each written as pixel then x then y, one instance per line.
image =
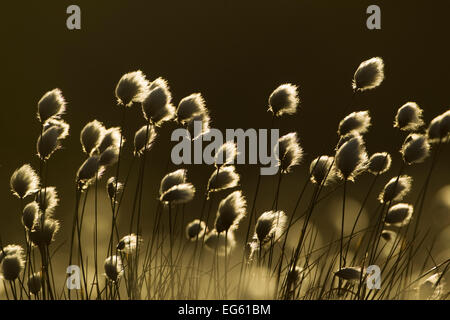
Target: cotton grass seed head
pixel 439 128
pixel 43 232
pixel 48 199
pixel 12 265
pixel 349 273
pixel 195 230
pixel 91 136
pixel 24 181
pixel 415 149
pixel 113 268
pixel 30 214
pixel 11 250
pixel 89 170
pixel 143 139
pixel 112 137
pixel 132 87
pixel 190 106
pixel 231 211
pixel 409 117
pixel 157 105
pixel 379 163
pixel 399 215
pixel 50 140
pixel 172 179
pixel 284 100
pixel 178 194
pixel 270 227
pixel 198 125
pixel 222 179
pixel 322 170
pixel 109 157
pixel 226 154
pixel 289 151
pixel 34 283
pixel 113 188
pixel 369 74
pixel 396 189
pixel 129 244
pixel 51 106
pixel 355 121
pixel 351 159
pixel 220 242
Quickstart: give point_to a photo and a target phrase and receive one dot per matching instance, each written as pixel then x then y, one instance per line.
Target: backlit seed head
pixel 270 227
pixel 91 136
pixel 11 250
pixel 226 154
pixel 369 74
pixel 396 189
pixel 284 100
pixel 409 117
pixel 113 188
pixel 195 230
pixel 50 140
pixel 439 128
pixel 198 125
pixel 43 232
pixel 220 242
pixel 231 211
pixel 48 199
pixel 351 159
pixel 24 181
pixel 343 139
pixel 289 152
pixel 349 273
pixel 11 266
pixel 35 283
pixel 379 163
pixel 89 170
pixel 51 106
pixel 190 107
pixel 132 87
pixel 222 179
pixel 178 194
pixel 157 105
pixel 322 170
pixel 143 139
pixel 30 214
pixel 172 179
pixel 355 121
pixel 399 214
pixel 415 149
pixel 113 268
pixel 109 157
pixel 111 138
pixel 129 244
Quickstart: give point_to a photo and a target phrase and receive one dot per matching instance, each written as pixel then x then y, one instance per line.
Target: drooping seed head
pixel 369 74
pixel 51 106
pixel 379 163
pixel 395 189
pixel 12 264
pixel 289 152
pixel 132 87
pixel 415 149
pixel 231 211
pixel 220 242
pixel 113 268
pixel 113 188
pixel 157 106
pixel 351 159
pixel 349 273
pixel 322 170
pixel 195 230
pixel 43 232
pixel 178 194
pixel 50 140
pixel 48 199
pixel 226 154
pixel 190 106
pixel 399 215
pixel 112 137
pixel 91 136
pixel 172 179
pixel 355 121
pixel 222 179
pixel 284 100
pixel 270 227
pixel 30 214
pixel 129 244
pixel 109 157
pixel 409 117
pixel 143 139
pixel 439 128
pixel 89 170
pixel 24 181
pixel 34 283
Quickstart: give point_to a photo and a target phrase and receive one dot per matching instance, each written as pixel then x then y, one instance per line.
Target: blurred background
pixel 235 54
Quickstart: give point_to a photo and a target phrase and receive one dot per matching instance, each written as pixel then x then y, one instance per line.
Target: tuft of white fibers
pixel 284 100
pixel 178 194
pixel 24 181
pixel 432 288
pixel 204 120
pixel 379 163
pixel 50 140
pixel 396 189
pixel 226 154
pixel 30 214
pixel 195 230
pixel 399 215
pixel 388 235
pixel 129 243
pixel 157 106
pixel 231 211
pixel 415 149
pixel 172 179
pixel 223 178
pixel 112 137
pixel 190 106
pixel 132 87
pixel 113 268
pixel 113 188
pixel 10 250
pixel 48 199
pixel 356 121
pixel 34 283
pixel 270 227
pixel 109 157
pixel 43 232
pixel 343 139
pixel 12 263
pixel 351 158
pixel 439 128
pixel 349 273
pixel 369 74
pixel 409 117
pixel 51 106
pixel 322 170
pixel 217 241
pixel 89 170
pixel 289 152
pixel 91 136
pixel 143 139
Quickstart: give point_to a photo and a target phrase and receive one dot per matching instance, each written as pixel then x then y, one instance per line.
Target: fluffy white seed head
pixel 89 170
pixel 109 157
pixel 379 163
pixel 195 230
pixel 132 87
pixel 43 232
pixel 289 151
pixel 349 273
pixel 12 262
pixel 24 181
pixel 51 106
pixel 50 140
pixel 396 189
pixel 351 159
pixel 222 179
pixel 284 100
pixel 439 128
pixel 157 105
pixel 172 179
pixel 129 244
pixel 409 117
pixel 322 170
pixel 112 137
pixel 113 268
pixel 113 188
pixel 355 121
pixel 180 193
pixel 30 214
pixel 143 139
pixel 220 242
pixel 91 136
pixel 11 250
pixel 34 283
pixel 399 215
pixel 48 199
pixel 226 154
pixel 190 106
pixel 369 74
pixel 231 211
pixel 415 149
pixel 270 227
